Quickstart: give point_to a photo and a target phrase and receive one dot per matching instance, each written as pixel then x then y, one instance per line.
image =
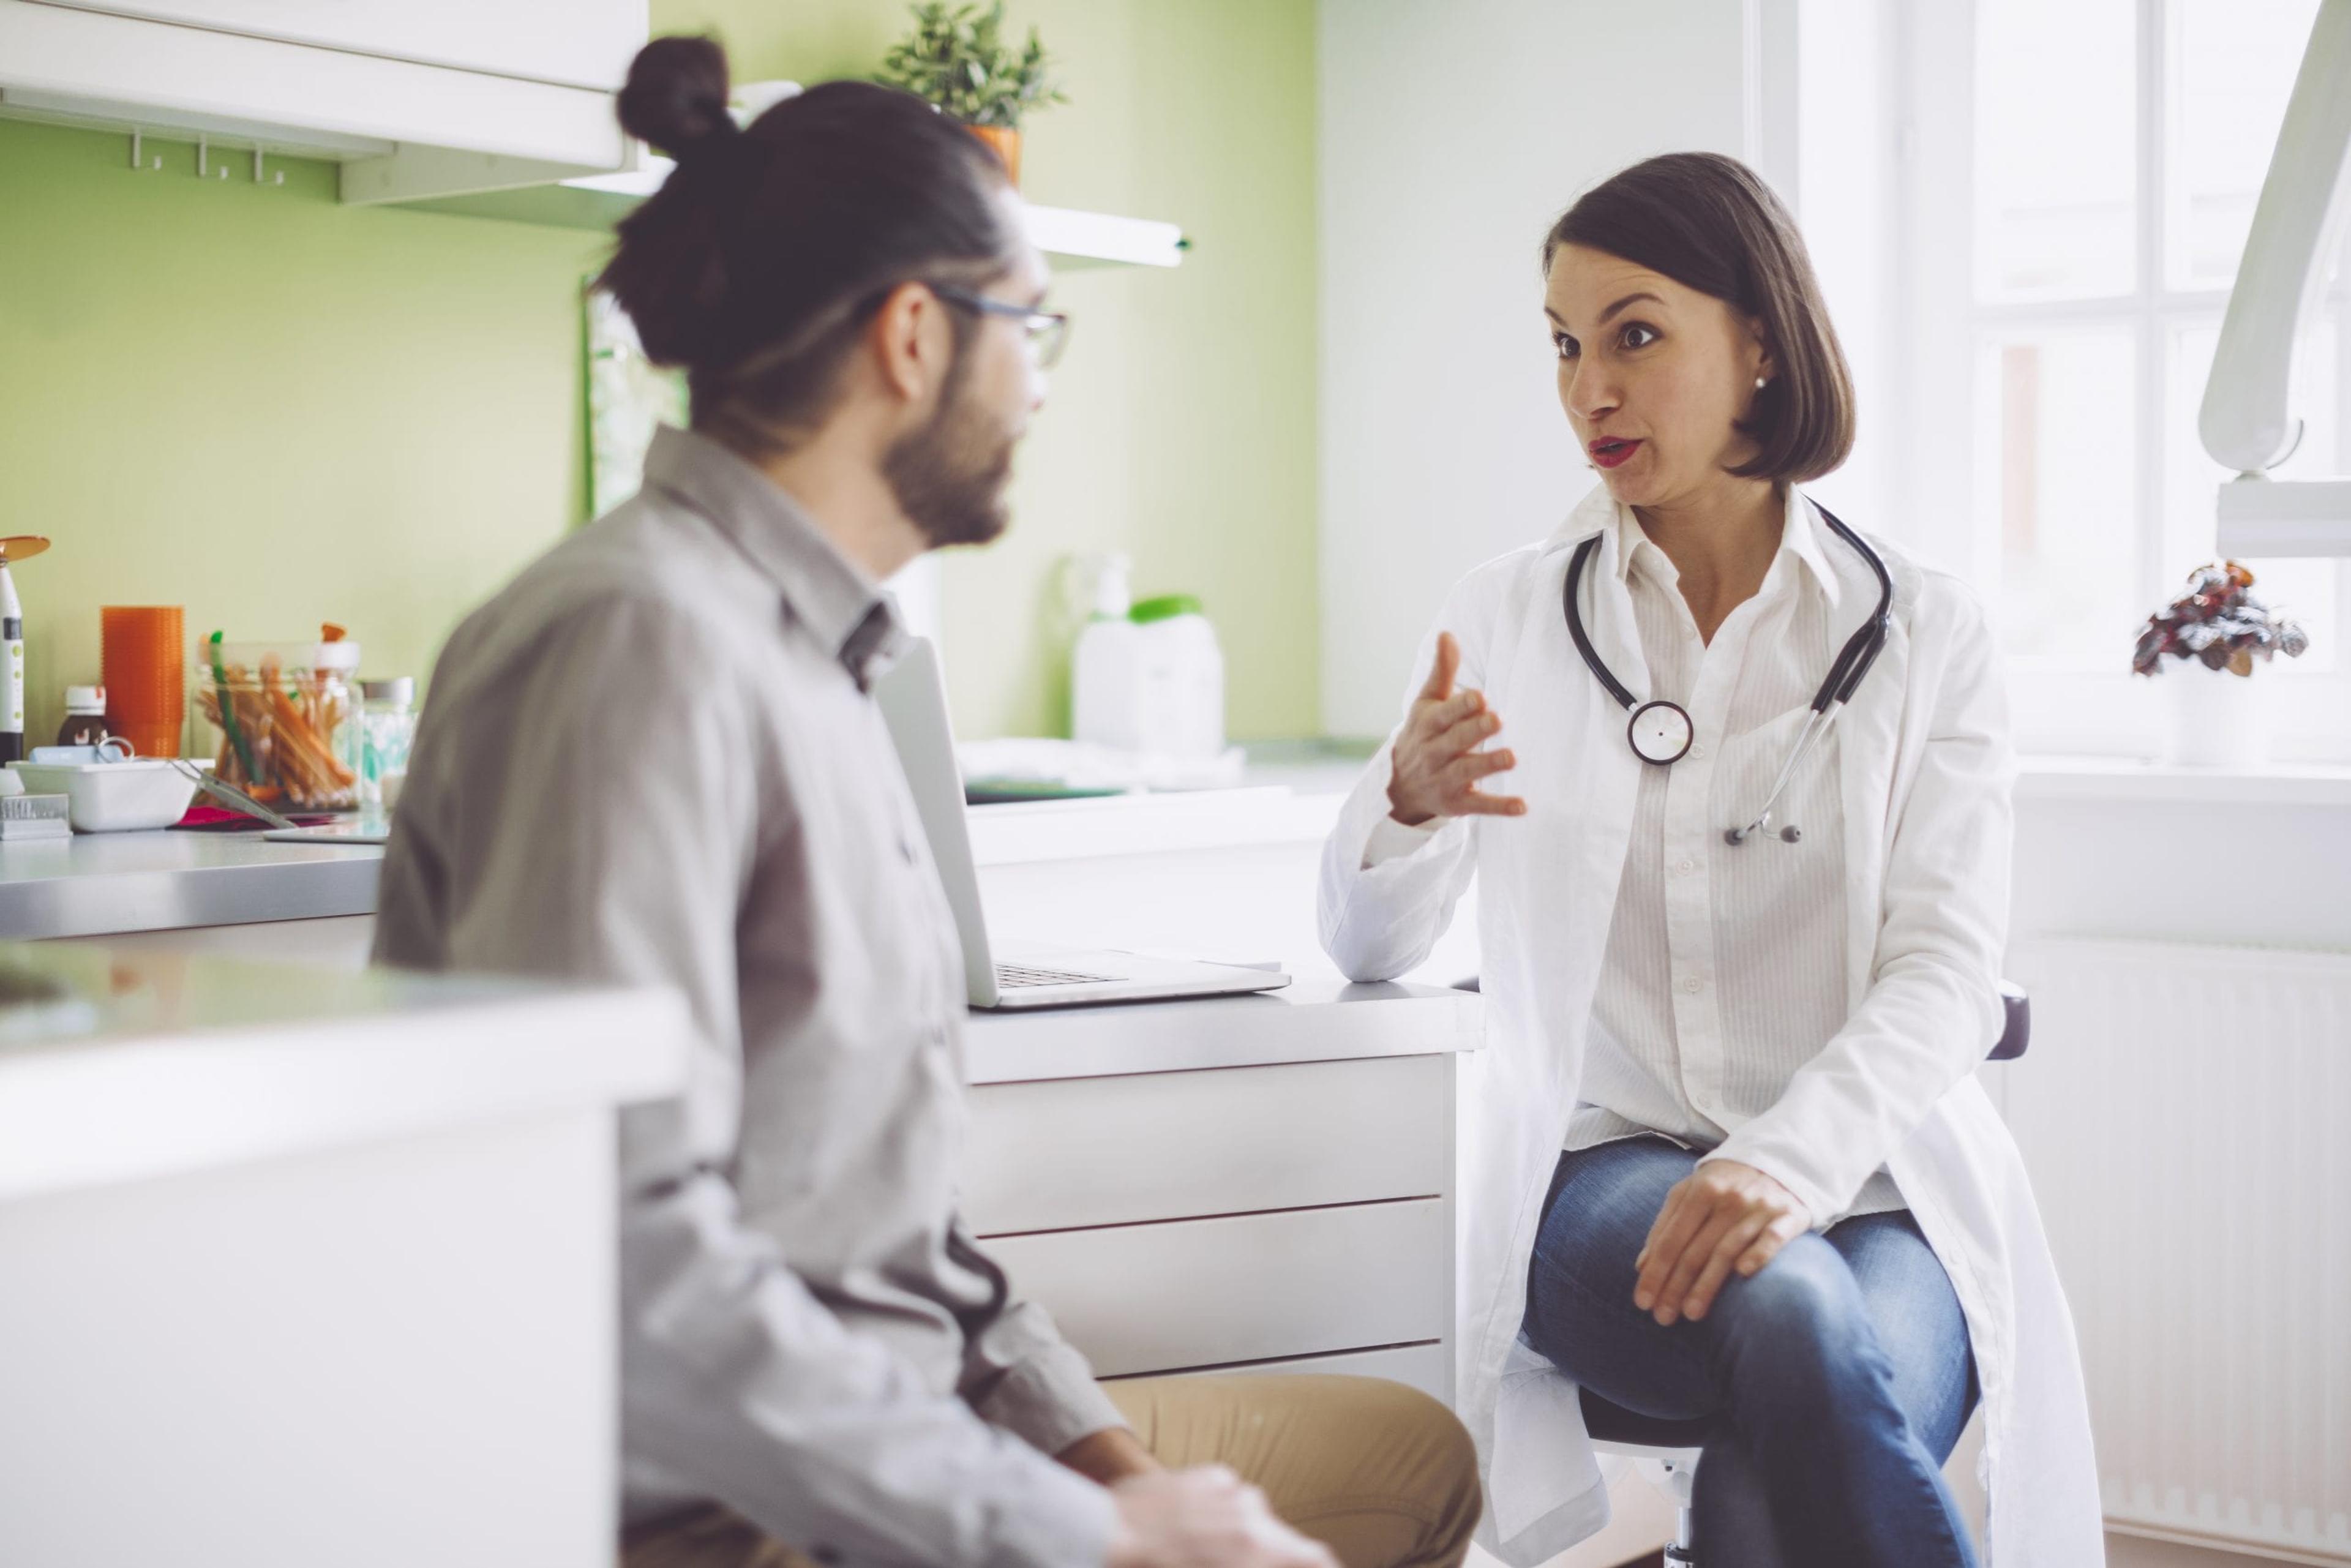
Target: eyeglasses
pixel 1049 330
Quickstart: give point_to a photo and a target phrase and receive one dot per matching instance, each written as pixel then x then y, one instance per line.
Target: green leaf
pixel 956 58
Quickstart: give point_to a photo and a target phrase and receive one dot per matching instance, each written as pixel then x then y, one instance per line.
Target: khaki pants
pixel 1382 1474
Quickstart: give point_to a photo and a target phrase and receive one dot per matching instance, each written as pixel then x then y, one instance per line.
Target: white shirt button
pixel 1693 985
pixel 1697 750
pixel 1686 867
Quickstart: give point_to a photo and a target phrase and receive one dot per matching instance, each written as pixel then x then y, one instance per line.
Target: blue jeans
pixel 1835 1381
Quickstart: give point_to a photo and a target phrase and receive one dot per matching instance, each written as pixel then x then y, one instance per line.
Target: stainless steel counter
pixel 101 885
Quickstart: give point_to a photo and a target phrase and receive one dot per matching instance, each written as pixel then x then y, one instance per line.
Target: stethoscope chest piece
pixel 1661 732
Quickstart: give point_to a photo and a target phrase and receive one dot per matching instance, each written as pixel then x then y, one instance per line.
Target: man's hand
pixel 1110 1455
pixel 1436 763
pixel 1722 1216
pixel 1204 1518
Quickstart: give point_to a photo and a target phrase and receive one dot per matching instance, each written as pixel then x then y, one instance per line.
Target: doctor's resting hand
pixel 1722 1216
pixel 1437 762
pixel 1204 1518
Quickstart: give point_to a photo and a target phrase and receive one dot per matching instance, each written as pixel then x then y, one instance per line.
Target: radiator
pixel 2186 1114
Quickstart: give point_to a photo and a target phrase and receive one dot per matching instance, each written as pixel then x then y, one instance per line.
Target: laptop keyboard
pixel 1009 976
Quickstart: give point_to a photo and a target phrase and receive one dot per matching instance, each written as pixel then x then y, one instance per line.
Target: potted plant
pixel 956 58
pixel 2218 630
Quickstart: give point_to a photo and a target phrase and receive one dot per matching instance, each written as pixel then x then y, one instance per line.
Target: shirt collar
pixel 1623 539
pixel 851 616
pixel 1801 535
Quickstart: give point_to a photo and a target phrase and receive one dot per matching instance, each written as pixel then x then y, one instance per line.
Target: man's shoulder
pixel 627 583
pixel 656 549
pixel 650 565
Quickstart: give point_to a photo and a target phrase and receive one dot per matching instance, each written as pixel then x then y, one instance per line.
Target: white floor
pixel 1643 1522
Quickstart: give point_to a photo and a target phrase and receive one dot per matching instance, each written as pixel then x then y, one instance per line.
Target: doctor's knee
pixel 1806 1298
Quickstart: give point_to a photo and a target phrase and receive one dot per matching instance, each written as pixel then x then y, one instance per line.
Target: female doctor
pixel 1743 858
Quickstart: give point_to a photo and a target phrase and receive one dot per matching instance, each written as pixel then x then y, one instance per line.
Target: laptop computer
pixel 914 703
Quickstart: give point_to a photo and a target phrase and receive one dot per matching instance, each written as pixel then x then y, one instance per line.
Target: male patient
pixel 654 759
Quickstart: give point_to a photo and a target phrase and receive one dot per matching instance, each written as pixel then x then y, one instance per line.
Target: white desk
pixel 306 1268
pixel 1254 1183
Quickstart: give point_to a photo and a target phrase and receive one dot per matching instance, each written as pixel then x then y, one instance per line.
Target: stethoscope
pixel 1661 732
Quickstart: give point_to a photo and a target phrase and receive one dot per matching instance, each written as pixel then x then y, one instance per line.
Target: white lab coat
pixel 1925 769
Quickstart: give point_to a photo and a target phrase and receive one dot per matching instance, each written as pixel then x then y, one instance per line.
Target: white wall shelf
pixel 380 116
pixel 1066 234
pixel 1102 238
pixel 513 133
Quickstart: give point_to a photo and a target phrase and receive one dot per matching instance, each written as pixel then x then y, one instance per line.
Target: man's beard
pixel 950 476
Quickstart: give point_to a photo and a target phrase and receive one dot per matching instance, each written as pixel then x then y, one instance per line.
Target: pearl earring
pixel 1759 383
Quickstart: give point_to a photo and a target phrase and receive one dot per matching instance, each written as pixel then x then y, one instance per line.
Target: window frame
pixel 2060 707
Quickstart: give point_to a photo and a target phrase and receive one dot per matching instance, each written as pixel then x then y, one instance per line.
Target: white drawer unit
pixel 1285 1214
pixel 1170 1145
pixel 1195 1293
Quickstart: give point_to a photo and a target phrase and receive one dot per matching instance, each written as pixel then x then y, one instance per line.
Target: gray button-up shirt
pixel 653 759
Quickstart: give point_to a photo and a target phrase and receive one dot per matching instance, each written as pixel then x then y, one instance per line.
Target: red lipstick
pixel 1609 451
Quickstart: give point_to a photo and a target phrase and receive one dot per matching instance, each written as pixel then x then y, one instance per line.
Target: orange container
pixel 141 649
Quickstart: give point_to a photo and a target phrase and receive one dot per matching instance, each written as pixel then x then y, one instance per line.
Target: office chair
pixel 1667 1451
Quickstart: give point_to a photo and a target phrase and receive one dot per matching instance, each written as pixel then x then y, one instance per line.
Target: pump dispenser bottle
pixel 22 546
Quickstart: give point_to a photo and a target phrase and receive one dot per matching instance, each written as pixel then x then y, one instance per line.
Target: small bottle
pixel 85 722
pixel 12 667
pixel 387 726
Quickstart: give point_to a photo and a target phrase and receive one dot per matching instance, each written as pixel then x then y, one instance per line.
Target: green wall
pixel 275 410
pixel 268 408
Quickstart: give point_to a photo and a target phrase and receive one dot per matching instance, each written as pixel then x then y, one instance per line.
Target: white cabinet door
pixel 394 1353
pixel 579 43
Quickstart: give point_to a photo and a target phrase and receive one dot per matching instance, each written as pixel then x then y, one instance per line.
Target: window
pixel 2062 317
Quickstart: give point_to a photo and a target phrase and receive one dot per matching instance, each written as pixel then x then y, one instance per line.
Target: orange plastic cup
pixel 142 650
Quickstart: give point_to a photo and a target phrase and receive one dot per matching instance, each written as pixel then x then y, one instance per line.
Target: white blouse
pixel 1725 970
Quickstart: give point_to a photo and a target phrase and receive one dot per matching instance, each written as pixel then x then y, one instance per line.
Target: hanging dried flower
pixel 2217 621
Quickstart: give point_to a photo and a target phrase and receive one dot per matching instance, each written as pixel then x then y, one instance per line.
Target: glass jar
pixel 387 729
pixel 282 720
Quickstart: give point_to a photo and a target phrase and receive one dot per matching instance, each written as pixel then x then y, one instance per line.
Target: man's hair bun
pixel 758 261
pixel 676 99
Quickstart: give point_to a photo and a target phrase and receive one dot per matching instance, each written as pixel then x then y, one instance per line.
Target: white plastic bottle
pixel 1106 670
pixel 1181 700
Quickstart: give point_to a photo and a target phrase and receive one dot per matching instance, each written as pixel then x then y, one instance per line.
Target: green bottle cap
pixel 1165 607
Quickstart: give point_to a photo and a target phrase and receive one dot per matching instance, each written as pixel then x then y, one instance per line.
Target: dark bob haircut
pixel 758 261
pixel 1709 224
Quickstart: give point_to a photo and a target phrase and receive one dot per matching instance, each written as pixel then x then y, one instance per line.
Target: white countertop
pixel 129 1066
pixel 111 883
pixel 1228 878
pixel 103 884
pixel 2138 781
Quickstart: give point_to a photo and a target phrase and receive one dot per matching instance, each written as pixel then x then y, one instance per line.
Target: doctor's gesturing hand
pixel 1722 1216
pixel 1437 762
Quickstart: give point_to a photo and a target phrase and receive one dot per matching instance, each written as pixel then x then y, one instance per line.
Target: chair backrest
pixel 2016 1027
